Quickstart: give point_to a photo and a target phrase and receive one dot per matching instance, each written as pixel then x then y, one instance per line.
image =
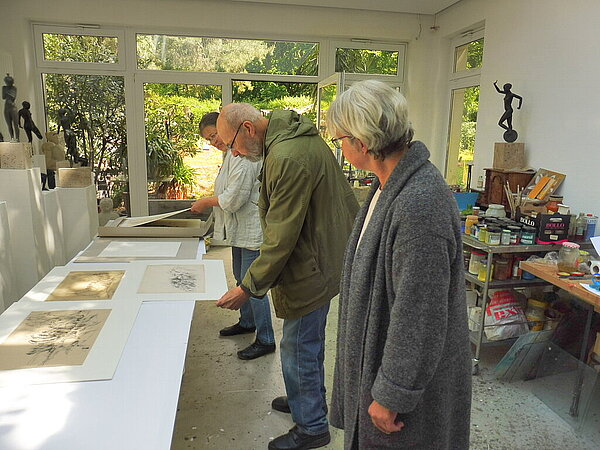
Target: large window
pixel 165 85
pixel 94 105
pixel 207 54
pixel 180 165
pixel 464 105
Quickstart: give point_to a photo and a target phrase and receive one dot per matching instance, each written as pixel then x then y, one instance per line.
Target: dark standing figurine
pixel 64 121
pixel 510 135
pixel 9 95
pixel 28 124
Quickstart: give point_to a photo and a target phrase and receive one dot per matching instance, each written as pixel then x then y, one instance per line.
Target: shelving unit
pixel 478 337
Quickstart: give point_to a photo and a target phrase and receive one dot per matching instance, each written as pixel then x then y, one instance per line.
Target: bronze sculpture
pixel 510 135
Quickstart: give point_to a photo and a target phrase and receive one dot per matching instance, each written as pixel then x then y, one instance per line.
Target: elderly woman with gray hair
pixel 402 374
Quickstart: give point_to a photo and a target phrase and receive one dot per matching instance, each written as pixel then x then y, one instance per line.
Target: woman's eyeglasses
pixel 337 142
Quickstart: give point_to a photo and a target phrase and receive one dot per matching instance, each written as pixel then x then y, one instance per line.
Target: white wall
pixel 550 53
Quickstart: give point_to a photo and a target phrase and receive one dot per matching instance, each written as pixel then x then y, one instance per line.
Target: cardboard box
pixel 509 155
pixel 551 228
pixel 160 225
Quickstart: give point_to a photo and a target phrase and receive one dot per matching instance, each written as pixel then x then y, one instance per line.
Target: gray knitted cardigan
pixel 402 332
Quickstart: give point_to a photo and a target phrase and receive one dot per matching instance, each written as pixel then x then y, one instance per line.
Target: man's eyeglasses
pixel 230 146
pixel 337 142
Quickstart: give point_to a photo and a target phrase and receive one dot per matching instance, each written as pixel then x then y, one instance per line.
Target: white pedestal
pixel 7 279
pixel 22 191
pixel 39 161
pixel 55 238
pixel 80 218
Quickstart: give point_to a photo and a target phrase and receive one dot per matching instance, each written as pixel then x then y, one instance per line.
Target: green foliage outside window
pixel 354 60
pixel 206 54
pixel 475 54
pixel 468 131
pixel 76 48
pixel 172 115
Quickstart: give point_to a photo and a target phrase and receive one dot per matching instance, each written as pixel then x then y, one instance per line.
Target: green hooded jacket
pixel 307 209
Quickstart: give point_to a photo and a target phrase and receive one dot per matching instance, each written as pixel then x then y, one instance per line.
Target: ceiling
pixel 399 6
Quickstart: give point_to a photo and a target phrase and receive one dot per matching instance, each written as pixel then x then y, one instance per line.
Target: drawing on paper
pixel 87 285
pixel 173 278
pixel 52 338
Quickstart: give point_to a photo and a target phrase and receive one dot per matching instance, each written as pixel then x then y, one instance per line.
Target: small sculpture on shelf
pixel 28 124
pixel 65 121
pixel 9 95
pixel 510 135
pixel 53 153
pixel 106 211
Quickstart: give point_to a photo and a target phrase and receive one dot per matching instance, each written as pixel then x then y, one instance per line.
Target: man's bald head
pixel 242 127
pixel 236 113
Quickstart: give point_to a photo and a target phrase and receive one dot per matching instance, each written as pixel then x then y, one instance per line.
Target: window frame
pixel 209 36
pixel 400 47
pixel 135 77
pixel 39 31
pixel 460 80
pixel 465 38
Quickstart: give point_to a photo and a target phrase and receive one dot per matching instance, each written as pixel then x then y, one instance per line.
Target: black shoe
pixel 281 404
pixel 256 350
pixel 236 329
pixel 297 440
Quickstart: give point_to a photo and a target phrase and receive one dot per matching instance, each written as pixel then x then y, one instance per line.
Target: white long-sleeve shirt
pixel 237 222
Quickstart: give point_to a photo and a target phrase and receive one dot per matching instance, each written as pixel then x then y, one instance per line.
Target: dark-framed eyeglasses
pixel 337 142
pixel 230 146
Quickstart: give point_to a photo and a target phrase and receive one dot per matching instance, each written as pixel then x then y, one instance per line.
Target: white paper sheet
pixel 103 357
pixel 136 408
pixel 590 288
pixel 141 220
pixel 140 249
pixel 189 249
pixel 596 243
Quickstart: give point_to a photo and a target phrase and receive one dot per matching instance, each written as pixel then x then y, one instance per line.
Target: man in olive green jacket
pixel 307 210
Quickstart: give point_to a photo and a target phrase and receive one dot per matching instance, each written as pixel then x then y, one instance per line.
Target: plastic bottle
pixel 480 182
pixel 590 229
pixel 580 227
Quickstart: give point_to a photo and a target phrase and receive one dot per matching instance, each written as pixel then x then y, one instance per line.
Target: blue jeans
pixel 302 357
pixel 256 311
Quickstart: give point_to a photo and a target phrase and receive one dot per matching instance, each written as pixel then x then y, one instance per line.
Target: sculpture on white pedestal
pixel 106 211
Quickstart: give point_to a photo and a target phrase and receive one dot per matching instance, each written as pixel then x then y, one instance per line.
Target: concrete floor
pixel 225 402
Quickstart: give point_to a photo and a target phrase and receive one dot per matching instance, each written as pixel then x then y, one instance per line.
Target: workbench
pixel 590 300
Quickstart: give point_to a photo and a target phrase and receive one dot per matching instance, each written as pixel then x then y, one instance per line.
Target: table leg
pixel 574 411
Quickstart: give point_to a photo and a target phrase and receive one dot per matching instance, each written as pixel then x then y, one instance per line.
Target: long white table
pixel 134 410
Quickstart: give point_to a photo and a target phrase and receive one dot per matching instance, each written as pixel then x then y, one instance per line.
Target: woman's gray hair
pixel 375 113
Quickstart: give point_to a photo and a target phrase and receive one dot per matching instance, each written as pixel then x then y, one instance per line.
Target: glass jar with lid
pixel 495 210
pixel 528 235
pixel 494 235
pixel 568 256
